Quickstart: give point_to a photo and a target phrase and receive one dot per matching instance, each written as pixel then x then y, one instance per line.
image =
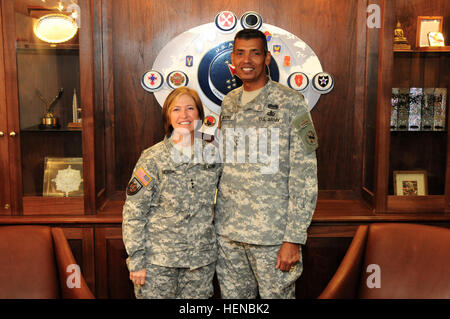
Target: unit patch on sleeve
pixel 305 127
pixel 134 186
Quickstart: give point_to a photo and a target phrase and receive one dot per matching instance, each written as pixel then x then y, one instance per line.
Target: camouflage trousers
pixel 176 283
pixel 243 270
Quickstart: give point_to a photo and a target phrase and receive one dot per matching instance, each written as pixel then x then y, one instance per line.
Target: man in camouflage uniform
pixel 262 215
pixel 168 223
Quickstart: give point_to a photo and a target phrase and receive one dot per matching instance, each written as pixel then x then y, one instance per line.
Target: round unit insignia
pixel 226 21
pixel 323 82
pixel 175 79
pixel 209 121
pixel 298 81
pixel 152 81
pixel 251 20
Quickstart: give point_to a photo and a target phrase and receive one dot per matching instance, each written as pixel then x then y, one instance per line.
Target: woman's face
pixel 182 113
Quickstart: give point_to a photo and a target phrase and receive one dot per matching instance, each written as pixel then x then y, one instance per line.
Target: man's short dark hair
pixel 248 34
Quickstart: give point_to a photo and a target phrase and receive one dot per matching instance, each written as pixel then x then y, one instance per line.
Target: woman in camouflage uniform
pixel 168 214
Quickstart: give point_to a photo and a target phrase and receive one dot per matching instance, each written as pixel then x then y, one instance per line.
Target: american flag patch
pixel 143 176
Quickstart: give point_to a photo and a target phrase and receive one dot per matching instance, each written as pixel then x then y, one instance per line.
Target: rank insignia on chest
pixel 134 186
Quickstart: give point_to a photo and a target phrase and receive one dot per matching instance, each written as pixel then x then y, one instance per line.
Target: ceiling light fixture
pixel 55 28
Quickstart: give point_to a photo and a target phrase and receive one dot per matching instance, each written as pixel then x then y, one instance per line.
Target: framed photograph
pixel 63 176
pixel 425 25
pixel 410 183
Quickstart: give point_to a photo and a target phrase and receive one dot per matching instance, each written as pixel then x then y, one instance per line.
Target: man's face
pixel 250 61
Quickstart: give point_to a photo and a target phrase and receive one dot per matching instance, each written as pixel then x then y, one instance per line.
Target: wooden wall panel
pixel 137 30
pixel 81 242
pixel 112 276
pixel 5 199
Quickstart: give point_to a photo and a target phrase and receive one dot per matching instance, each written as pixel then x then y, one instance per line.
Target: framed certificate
pixel 410 183
pixel 425 25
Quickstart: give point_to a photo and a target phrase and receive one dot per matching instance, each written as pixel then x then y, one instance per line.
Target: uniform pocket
pixel 172 189
pixel 206 181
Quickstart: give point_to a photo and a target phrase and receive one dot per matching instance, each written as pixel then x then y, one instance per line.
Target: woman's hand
pixel 138 277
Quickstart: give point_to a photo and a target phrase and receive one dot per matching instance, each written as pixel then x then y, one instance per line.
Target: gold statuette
pixel 400 41
pixel 49 120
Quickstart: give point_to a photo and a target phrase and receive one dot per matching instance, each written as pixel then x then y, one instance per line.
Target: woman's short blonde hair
pixel 184 90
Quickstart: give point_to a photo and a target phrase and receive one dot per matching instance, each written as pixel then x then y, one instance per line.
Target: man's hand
pixel 138 277
pixel 288 256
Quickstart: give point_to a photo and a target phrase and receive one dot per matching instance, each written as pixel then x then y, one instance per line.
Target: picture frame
pixel 63 177
pixel 410 183
pixel 425 25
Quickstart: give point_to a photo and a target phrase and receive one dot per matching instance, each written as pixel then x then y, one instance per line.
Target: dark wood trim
pixel 100 155
pixel 419 204
pixel 5 194
pixel 86 235
pixel 359 93
pixel 108 96
pixel 88 104
pixel 39 205
pixel 12 102
pixel 385 66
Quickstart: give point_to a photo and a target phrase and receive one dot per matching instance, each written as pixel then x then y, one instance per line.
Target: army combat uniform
pixel 168 224
pixel 256 212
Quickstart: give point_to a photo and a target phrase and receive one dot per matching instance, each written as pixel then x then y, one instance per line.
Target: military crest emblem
pixel 323 82
pixel 226 21
pixel 209 121
pixel 176 79
pixel 152 81
pixel 298 81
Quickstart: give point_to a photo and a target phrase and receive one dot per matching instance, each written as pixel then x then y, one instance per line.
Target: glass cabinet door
pixel 46 34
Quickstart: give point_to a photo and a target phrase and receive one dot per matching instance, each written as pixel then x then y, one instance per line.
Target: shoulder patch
pixel 134 186
pixel 143 176
pixel 305 128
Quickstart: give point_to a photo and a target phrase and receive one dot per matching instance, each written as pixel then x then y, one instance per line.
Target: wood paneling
pixel 112 276
pixel 81 242
pixel 137 30
pixel 5 199
pixel 11 90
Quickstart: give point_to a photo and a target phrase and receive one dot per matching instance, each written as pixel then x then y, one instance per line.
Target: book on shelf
pixel 415 109
pixel 418 109
pixel 428 109
pixel 440 101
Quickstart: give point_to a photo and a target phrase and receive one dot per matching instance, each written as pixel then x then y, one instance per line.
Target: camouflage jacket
pixel 168 212
pixel 262 201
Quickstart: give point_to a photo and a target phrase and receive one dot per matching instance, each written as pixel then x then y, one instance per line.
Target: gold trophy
pixel 49 121
pixel 400 41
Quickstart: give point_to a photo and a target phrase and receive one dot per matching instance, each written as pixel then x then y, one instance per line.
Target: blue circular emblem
pixel 204 63
pixel 215 77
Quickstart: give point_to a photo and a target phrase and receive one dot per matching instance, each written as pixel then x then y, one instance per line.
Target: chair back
pixel 412 261
pixel 28 266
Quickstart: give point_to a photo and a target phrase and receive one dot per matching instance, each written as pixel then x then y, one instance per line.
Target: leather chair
pixel 33 265
pixel 413 260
